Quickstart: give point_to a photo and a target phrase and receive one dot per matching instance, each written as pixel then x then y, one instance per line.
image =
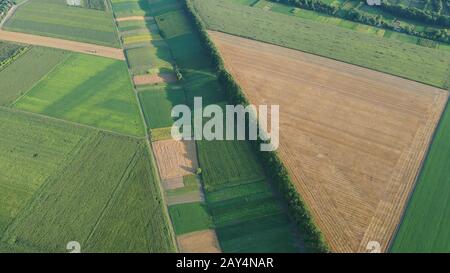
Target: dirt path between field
pixel 109 52
pixel 154 79
pixel 134 18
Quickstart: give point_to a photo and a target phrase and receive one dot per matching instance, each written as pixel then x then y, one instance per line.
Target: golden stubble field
pixel 352 139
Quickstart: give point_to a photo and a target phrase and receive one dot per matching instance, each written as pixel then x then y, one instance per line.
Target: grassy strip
pixel 426 220
pixel 275 169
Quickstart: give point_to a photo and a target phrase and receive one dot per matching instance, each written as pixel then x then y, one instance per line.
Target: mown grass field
pixel 35 64
pixel 90 90
pixel 62 182
pixel 157 103
pixel 55 18
pixel 414 62
pixel 425 224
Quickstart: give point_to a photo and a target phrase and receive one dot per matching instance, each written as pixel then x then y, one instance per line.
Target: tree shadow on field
pixel 152 27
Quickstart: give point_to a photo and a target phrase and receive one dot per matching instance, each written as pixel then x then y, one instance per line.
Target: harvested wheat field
pixel 352 139
pixel 199 242
pixel 175 158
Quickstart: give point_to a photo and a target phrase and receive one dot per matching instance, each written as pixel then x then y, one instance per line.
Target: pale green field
pixel 90 90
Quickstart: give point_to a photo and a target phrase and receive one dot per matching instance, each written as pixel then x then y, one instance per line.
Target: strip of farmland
pixel 238 211
pixel 353 139
pixel 422 64
pixel 55 18
pixel 109 52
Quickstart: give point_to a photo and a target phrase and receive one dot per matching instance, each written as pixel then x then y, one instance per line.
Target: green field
pixel 414 62
pixel 190 217
pixel 236 163
pixel 425 226
pixel 61 182
pixel 173 24
pixel 31 150
pixel 157 102
pixel 35 64
pixel 148 58
pixel 135 25
pixel 56 19
pixel 124 8
pixel 90 90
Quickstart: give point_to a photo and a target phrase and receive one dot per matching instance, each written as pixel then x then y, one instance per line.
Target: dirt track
pixel 154 79
pixel 109 52
pixel 353 139
pixel 134 18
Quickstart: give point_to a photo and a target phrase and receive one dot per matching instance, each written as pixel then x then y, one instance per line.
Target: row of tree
pixel 424 16
pixel 5 5
pixel 275 169
pixel 95 4
pixel 356 15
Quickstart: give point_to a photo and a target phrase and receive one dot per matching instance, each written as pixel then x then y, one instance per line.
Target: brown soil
pixel 175 158
pixel 134 18
pixel 199 242
pixel 154 79
pixel 109 52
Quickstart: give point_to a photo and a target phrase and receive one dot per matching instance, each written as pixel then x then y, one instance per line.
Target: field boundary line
pixel 71 122
pixel 46 183
pixel 125 174
pixel 147 136
pixel 418 175
pixel 41 79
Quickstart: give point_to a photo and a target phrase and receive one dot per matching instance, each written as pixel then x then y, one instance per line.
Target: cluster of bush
pixel 5 5
pixel 354 14
pixel 94 4
pixel 9 58
pixel 274 167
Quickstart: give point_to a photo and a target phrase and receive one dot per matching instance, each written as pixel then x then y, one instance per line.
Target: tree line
pixel 5 5
pixel 354 14
pixel 275 169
